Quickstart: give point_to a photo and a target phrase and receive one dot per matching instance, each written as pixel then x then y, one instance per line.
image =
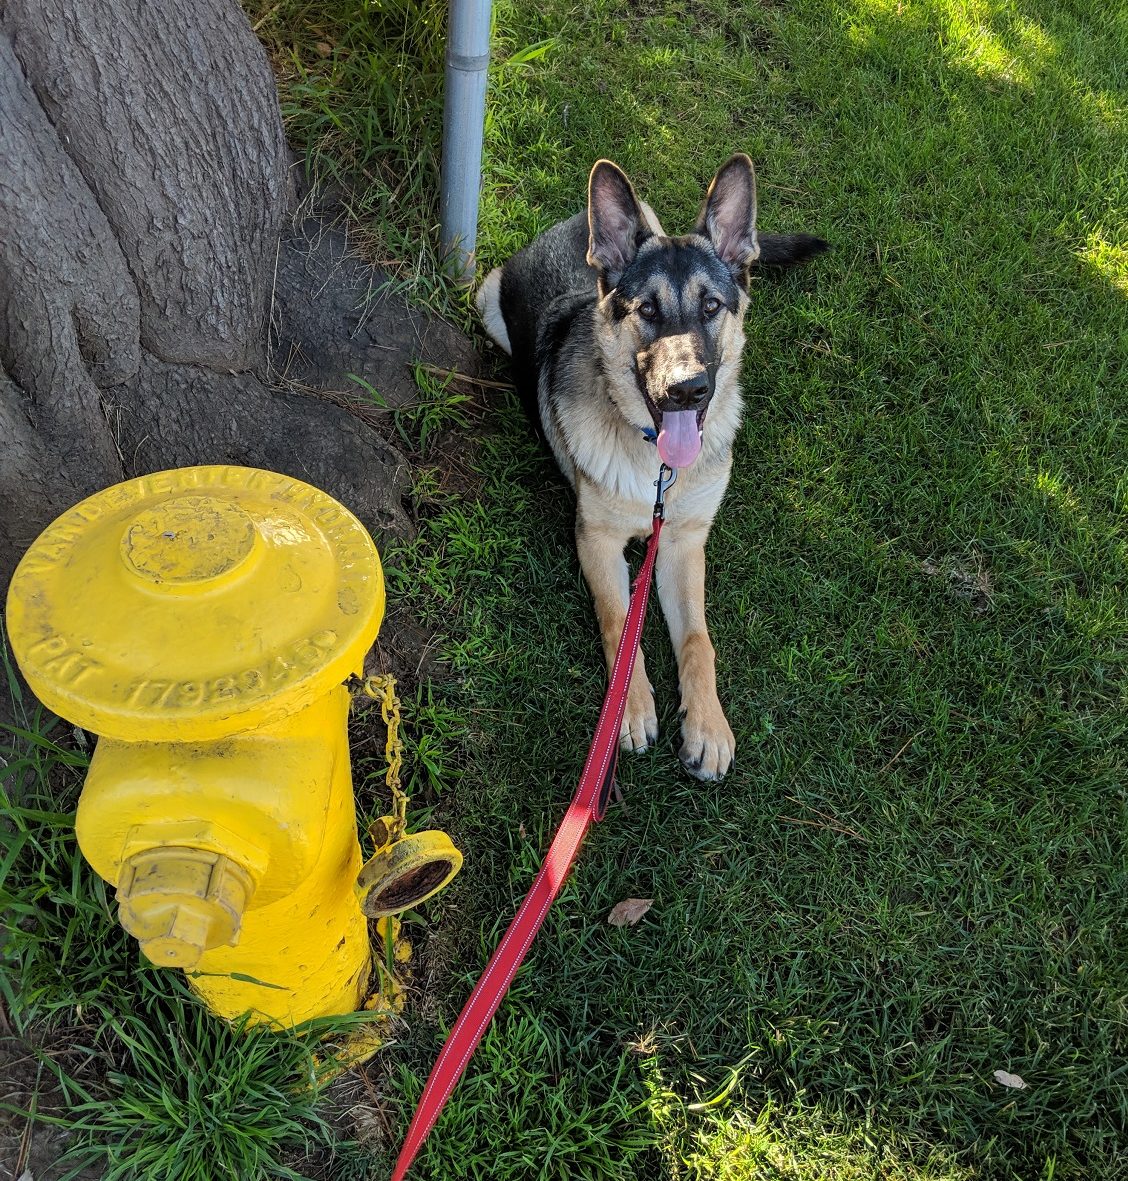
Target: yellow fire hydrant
pixel 203 623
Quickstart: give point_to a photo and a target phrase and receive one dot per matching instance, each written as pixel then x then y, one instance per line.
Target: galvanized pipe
pixel 464 116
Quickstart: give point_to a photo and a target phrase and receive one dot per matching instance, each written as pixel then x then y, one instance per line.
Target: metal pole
pixel 464 116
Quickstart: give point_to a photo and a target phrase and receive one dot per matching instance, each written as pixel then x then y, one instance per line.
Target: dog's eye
pixel 711 306
pixel 648 309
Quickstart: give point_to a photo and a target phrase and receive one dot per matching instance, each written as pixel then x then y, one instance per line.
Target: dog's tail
pixel 488 299
pixel 785 250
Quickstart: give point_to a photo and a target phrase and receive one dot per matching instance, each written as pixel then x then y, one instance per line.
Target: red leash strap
pixel 587 805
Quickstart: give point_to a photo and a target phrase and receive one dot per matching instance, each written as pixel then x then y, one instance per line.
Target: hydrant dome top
pixel 195 603
pixel 188 541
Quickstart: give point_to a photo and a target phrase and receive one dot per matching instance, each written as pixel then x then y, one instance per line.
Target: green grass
pixel 196 1099
pixel 915 875
pixel 361 92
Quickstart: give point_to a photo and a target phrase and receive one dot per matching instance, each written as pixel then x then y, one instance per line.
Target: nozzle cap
pixel 180 902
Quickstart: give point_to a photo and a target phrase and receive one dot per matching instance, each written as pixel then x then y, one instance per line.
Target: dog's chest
pixel 614 455
pixel 619 495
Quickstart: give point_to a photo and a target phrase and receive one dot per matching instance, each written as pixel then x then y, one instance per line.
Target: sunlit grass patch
pixel 1109 260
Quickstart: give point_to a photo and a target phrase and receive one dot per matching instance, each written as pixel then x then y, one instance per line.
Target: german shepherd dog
pixel 627 343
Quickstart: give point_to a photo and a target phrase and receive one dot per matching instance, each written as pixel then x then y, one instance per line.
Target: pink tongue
pixel 679 441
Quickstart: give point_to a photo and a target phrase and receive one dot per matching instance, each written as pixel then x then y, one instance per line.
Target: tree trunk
pixel 158 303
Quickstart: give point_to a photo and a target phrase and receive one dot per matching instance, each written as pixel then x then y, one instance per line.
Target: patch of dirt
pixel 403 648
pixel 357 1107
pixel 967 578
pixel 29 1147
pixel 359 1104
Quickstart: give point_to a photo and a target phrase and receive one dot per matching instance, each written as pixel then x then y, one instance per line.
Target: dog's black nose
pixel 685 395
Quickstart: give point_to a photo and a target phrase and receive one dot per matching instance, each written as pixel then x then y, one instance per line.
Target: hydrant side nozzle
pixel 180 902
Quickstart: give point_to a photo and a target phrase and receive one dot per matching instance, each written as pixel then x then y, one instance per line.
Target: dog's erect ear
pixel 728 217
pixel 615 223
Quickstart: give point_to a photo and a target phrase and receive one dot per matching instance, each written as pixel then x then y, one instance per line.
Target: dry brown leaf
pixel 1010 1080
pixel 629 911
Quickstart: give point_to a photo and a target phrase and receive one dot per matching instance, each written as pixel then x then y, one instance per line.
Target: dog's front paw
pixel 708 744
pixel 640 719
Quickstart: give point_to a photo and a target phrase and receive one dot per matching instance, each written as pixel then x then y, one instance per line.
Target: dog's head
pixel 671 308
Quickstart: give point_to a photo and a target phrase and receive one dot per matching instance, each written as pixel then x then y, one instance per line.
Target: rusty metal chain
pixel 382 688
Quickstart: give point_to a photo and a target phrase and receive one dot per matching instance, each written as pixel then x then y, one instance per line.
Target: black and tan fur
pixel 610 324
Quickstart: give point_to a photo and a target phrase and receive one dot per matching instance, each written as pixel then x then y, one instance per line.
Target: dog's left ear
pixel 615 222
pixel 728 217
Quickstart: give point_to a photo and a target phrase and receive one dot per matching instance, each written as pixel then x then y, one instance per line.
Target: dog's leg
pixel 608 579
pixel 708 744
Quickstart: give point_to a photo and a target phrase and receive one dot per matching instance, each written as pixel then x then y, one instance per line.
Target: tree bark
pixel 169 113
pixel 68 316
pixel 159 303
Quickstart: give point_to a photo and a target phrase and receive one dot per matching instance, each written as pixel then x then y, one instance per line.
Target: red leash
pixel 588 804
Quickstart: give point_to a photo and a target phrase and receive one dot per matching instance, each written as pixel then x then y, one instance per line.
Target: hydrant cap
pixel 195 603
pixel 181 902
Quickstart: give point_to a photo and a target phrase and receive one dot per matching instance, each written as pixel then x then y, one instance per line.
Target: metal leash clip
pixel 663 485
